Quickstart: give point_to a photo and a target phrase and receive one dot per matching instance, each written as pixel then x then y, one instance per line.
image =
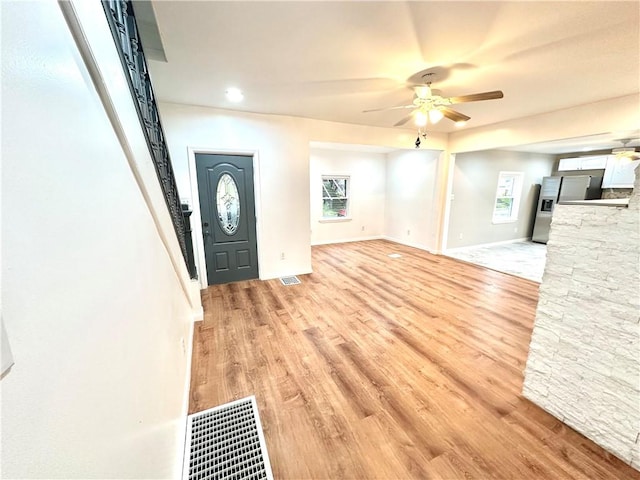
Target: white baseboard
pixel 272 276
pixel 189 354
pixel 347 240
pixel 481 245
pixel 409 244
pixel 182 432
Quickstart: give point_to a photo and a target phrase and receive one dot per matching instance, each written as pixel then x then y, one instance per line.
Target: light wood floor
pixel 377 367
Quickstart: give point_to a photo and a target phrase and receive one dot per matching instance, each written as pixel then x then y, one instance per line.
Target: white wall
pixel 411 197
pixel 94 309
pixel 282 145
pixel 474 191
pixel 282 193
pixel 366 191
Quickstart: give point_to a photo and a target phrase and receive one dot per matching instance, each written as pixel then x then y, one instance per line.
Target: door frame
pixel 196 226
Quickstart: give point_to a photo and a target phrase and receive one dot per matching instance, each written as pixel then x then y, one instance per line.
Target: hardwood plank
pixel 377 367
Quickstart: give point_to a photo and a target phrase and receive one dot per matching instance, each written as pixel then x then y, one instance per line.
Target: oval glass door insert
pixel 228 203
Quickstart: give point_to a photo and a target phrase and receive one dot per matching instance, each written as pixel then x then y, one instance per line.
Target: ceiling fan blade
pixel 630 155
pixel 389 108
pixel 453 115
pixel 476 97
pixel 405 119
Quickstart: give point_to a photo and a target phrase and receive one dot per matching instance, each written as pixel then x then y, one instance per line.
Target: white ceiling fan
pixel 430 105
pixel 624 152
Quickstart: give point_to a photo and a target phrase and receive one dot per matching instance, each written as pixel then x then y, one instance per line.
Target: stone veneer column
pixel 584 357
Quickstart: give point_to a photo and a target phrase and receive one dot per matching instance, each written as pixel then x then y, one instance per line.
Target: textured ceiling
pixel 332 60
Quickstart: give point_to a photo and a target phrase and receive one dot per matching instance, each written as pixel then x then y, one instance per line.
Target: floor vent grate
pixel 290 280
pixel 395 255
pixel 226 443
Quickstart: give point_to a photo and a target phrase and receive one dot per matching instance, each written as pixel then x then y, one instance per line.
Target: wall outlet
pixel 460 236
pixel 282 256
pixel 515 229
pixel 363 228
pixel 408 232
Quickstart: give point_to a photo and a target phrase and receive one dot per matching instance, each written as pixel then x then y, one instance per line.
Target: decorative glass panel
pixel 228 202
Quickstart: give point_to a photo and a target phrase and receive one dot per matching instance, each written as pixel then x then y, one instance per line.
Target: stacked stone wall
pixel 584 358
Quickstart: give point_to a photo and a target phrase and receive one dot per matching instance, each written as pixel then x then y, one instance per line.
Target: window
pixel 508 194
pixel 335 197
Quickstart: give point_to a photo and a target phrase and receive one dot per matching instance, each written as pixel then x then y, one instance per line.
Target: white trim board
pixel 196 225
pixel 280 275
pixel 184 416
pixel 378 237
pixel 347 240
pixel 482 245
pixel 198 314
pixel 409 244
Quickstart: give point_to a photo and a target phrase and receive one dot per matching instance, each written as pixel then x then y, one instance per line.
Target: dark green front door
pixel 227 210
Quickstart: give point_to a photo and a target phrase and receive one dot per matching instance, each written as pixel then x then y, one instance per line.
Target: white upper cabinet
pixel 595 162
pixel 569 164
pixel 620 173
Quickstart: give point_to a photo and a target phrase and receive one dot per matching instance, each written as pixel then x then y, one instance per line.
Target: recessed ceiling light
pixel 234 94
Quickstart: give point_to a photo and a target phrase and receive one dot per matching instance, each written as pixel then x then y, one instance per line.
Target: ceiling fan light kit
pixel 435 115
pixel 429 103
pixel 624 152
pixel 421 119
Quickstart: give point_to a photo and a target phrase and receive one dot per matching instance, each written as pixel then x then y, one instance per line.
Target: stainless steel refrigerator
pixel 561 189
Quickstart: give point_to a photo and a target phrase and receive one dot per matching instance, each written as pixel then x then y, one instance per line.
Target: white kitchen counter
pixel 606 202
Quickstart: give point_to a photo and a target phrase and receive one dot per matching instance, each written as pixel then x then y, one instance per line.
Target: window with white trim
pixel 508 195
pixel 335 197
